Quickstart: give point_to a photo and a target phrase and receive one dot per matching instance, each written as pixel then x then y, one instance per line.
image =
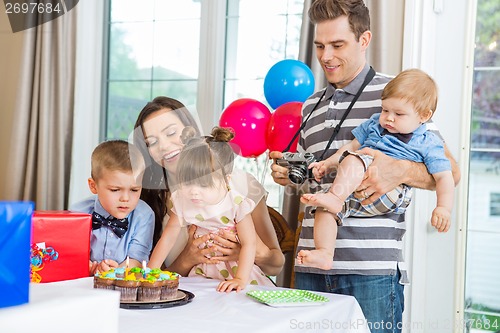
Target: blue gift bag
pixel 15 234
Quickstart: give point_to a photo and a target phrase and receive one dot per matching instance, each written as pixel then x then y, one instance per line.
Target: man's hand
pixel 279 173
pixel 383 175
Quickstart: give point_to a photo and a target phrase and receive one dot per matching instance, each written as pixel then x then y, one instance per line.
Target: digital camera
pixel 298 166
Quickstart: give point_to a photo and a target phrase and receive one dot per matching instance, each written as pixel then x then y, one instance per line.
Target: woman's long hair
pixel 155 190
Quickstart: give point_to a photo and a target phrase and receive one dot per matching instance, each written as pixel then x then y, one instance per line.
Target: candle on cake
pixel 127 263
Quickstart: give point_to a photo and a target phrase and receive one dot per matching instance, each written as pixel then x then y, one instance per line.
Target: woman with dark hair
pixel 157 133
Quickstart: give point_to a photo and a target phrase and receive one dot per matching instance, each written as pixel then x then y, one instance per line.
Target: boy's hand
pixel 441 219
pixel 93 267
pixel 234 284
pixel 106 265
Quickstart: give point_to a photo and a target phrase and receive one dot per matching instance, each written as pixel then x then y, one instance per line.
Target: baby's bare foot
pixel 321 259
pixel 328 200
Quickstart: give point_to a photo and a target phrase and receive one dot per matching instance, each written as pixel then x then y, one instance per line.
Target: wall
pixel 10 57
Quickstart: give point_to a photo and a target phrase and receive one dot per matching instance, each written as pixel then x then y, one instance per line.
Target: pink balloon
pixel 249 119
pixel 284 123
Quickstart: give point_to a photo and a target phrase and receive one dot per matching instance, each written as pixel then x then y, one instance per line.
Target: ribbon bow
pixel 401 137
pixel 119 226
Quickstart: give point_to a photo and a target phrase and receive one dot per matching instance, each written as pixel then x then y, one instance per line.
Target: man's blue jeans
pixel 380 296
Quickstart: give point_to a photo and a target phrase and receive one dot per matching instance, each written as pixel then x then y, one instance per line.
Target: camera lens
pixel 297 175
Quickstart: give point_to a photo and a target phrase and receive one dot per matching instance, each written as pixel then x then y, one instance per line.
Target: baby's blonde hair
pixel 416 87
pixel 115 155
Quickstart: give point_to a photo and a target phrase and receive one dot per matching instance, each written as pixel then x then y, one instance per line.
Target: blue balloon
pixel 288 81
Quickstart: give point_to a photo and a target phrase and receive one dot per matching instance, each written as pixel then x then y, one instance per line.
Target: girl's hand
pixel 229 245
pixel 228 286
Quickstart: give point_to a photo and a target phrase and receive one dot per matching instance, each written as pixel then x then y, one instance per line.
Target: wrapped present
pixel 15 232
pixel 60 248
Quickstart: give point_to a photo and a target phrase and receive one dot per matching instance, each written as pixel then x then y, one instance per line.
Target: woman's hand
pixel 192 255
pixel 228 245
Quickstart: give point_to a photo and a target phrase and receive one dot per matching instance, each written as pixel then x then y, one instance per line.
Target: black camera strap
pixel 368 78
pixel 305 121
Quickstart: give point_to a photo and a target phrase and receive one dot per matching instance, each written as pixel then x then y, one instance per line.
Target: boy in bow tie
pixel 122 224
pixel 408 102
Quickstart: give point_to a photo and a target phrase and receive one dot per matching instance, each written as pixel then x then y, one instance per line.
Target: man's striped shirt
pixel 366 246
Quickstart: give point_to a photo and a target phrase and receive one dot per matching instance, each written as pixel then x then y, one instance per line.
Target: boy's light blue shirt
pixel 136 242
pixel 424 146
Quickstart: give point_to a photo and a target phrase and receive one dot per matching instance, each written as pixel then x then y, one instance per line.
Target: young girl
pixel 204 196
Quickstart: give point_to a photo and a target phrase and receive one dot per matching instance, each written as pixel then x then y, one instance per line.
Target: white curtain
pixel 385 53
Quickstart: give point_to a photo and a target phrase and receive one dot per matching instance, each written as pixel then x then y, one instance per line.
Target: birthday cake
pixel 138 284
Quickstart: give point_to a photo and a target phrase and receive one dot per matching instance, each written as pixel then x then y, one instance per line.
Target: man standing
pixel 368 261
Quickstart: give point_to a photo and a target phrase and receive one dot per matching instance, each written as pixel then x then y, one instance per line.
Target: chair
pixel 287 240
pixel 286 236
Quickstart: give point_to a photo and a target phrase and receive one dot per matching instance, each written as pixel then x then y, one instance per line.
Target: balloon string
pixel 264 168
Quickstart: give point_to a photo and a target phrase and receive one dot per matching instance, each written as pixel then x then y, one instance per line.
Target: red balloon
pixel 249 119
pixel 284 123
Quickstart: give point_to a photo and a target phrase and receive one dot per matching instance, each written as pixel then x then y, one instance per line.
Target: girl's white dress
pixel 210 219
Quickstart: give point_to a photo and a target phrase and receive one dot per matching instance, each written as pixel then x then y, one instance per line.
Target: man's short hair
pixel 356 11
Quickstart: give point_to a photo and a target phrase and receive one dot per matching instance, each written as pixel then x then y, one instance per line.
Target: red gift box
pixel 60 245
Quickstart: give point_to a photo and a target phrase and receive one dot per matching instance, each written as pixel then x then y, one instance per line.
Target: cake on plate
pixel 139 285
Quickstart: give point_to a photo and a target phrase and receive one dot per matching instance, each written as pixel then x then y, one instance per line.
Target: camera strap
pixel 368 78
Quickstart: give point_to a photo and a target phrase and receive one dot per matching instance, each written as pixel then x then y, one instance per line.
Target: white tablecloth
pixel 211 311
pixel 64 307
pixel 76 306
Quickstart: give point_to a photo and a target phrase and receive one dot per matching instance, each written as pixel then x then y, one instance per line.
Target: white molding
pixel 424 249
pixel 416 30
pixel 463 188
pixel 88 80
pixel 211 68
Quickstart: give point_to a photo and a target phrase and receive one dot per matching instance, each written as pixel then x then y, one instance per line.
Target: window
pixel 494 204
pixel 147 57
pixel 483 234
pixel 155 48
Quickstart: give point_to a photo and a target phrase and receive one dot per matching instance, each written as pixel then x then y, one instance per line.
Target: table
pixel 209 311
pixel 64 307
